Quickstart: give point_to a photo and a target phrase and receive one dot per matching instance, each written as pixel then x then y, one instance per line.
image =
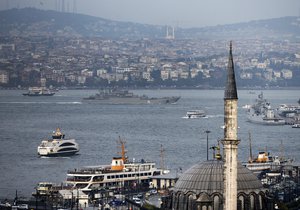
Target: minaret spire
pixel 230 91
pixel 230 141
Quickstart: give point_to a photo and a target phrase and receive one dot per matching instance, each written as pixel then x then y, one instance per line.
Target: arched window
pixel 181 202
pixel 216 202
pixel 252 202
pixel 260 202
pixel 191 201
pixel 242 202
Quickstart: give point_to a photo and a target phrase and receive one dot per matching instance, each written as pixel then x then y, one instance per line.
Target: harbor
pixel 96 129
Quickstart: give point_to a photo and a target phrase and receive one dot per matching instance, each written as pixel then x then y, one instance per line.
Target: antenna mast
pixel 162 157
pixel 250 149
pixel 123 151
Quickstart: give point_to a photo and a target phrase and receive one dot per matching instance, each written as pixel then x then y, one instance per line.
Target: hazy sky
pixel 184 13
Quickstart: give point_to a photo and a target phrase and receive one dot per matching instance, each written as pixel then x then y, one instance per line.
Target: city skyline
pixel 191 13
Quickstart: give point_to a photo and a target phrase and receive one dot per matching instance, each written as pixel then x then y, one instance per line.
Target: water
pixel 25 121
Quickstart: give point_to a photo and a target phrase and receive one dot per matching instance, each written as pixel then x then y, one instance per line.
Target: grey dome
pixel 208 177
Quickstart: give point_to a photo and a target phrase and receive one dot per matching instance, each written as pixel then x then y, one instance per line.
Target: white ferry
pixel 191 114
pixel 120 174
pixel 296 125
pixel 38 91
pixel 58 145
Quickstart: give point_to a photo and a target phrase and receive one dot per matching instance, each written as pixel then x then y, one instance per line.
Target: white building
pixel 4 79
pixel 287 74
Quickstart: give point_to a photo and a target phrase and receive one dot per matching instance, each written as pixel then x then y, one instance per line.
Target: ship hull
pixel 60 154
pixel 44 94
pixel 133 101
pixel 260 120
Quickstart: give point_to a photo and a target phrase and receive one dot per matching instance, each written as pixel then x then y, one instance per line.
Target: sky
pixel 180 13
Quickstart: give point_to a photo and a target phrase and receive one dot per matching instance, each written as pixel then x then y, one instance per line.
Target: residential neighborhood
pixel 93 62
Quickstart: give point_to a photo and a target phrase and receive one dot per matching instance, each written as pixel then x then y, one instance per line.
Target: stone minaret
pixel 230 141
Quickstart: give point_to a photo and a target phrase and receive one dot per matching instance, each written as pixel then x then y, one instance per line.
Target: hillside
pixel 35 22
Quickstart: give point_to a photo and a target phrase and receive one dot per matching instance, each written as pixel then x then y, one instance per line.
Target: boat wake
pixel 72 102
pixel 186 117
pixel 215 116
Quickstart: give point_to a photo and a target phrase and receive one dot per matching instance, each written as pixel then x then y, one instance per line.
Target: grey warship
pixel 115 96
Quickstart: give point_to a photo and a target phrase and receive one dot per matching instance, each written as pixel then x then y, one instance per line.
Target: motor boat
pixel 58 145
pixel 191 114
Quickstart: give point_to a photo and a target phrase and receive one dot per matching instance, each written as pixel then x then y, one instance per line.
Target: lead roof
pixel 208 177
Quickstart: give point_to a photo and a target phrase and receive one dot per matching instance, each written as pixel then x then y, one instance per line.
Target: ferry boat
pixel 38 91
pixel 296 125
pixel 120 174
pixel 264 161
pixel 191 114
pixel 58 145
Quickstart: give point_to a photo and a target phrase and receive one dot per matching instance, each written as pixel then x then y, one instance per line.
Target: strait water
pixel 25 121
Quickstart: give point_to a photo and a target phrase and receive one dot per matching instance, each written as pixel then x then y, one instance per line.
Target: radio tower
pixel 63 5
pixel 170 35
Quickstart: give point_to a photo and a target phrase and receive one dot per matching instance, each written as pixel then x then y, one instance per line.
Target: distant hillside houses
pixel 4 78
pixel 61 61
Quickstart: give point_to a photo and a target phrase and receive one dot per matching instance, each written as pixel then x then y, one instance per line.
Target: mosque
pixel 223 183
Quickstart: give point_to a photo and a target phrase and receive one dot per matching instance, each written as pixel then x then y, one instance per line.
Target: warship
pixel 114 96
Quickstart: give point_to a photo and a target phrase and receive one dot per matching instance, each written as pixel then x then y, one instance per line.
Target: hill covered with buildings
pixel 70 50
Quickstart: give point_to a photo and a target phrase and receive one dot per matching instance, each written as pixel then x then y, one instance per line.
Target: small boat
pixel 38 91
pixel 58 145
pixel 296 125
pixel 192 114
pixel 246 106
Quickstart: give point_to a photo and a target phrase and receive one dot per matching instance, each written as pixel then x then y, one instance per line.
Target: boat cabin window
pixel 81 185
pixel 67 149
pixel 66 144
pixel 98 178
pixel 156 173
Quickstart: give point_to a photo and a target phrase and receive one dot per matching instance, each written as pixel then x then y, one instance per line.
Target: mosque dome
pixel 202 186
pixel 208 177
